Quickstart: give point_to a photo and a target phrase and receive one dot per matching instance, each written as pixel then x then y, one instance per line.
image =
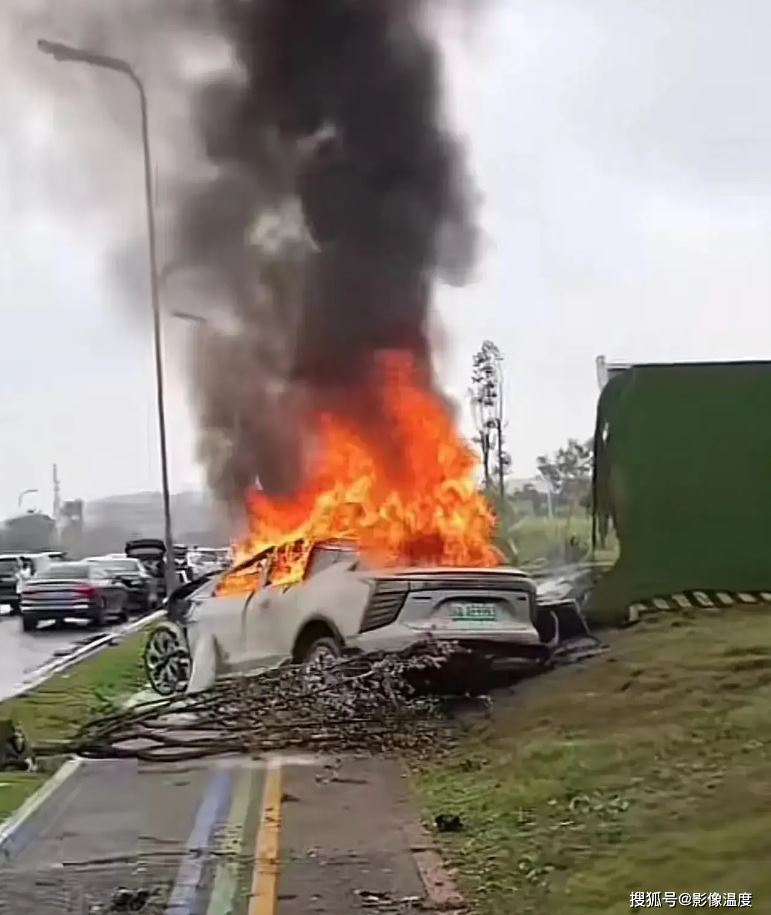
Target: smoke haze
pixel 332 130
pixel 310 194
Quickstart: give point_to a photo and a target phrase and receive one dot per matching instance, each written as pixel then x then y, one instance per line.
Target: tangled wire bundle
pixel 369 703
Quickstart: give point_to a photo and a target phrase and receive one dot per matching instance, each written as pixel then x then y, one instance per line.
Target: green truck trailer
pixel 682 470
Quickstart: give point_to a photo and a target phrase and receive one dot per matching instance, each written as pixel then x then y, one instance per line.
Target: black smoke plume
pixel 336 196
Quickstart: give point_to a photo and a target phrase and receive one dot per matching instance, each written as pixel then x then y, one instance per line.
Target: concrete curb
pixel 85 651
pixel 441 891
pixel 35 801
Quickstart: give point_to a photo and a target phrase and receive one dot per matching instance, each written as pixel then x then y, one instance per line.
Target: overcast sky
pixel 623 153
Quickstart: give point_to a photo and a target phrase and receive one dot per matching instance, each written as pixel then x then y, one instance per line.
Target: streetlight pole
pixel 25 492
pixel 65 53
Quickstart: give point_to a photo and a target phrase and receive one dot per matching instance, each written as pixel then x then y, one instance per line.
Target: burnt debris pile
pixel 371 703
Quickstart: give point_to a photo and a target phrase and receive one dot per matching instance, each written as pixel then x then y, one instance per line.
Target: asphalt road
pixel 292 835
pixel 24 654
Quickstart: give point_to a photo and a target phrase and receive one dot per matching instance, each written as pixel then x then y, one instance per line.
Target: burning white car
pixel 341 605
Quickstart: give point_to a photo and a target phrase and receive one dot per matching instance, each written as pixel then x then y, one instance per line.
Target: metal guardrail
pixel 59 665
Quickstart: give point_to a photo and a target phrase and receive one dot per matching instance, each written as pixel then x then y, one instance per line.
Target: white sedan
pixel 341 605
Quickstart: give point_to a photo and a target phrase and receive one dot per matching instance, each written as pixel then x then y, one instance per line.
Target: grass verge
pixel 15 788
pixel 55 709
pixel 542 538
pixel 645 770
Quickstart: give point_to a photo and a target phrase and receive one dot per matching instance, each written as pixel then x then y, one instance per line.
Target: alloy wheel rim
pixel 167 662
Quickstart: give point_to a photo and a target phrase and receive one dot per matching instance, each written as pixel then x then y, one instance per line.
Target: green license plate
pixel 473 612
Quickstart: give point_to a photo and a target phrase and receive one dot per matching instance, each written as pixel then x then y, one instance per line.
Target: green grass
pixel 540 538
pixel 15 788
pixel 53 711
pixel 645 769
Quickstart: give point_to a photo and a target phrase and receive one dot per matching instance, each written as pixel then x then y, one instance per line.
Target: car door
pixel 269 624
pixel 223 619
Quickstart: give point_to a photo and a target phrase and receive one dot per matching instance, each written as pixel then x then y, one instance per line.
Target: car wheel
pixel 15 609
pixel 167 660
pixel 322 650
pixel 28 623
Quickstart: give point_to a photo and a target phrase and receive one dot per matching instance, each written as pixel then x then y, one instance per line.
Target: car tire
pixel 323 648
pixel 167 660
pixel 28 623
pixel 16 608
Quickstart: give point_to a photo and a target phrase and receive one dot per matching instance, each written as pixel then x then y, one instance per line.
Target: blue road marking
pixel 211 812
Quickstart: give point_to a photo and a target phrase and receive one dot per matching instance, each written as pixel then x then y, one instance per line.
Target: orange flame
pixel 421 509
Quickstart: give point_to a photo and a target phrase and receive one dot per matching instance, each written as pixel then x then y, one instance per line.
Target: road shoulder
pixel 351 843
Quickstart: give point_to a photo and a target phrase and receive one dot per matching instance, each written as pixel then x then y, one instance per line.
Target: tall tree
pixel 569 472
pixel 486 396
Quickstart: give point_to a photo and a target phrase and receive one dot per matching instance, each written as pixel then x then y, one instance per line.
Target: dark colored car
pixel 152 554
pixel 12 576
pixel 141 586
pixel 72 590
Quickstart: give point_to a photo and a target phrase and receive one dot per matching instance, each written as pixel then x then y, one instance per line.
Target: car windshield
pixel 324 557
pixel 63 571
pixel 9 565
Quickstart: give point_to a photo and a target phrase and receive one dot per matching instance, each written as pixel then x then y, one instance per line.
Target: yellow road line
pixel 267 846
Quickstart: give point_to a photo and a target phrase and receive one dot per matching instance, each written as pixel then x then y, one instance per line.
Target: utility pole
pixel 62 52
pixel 57 495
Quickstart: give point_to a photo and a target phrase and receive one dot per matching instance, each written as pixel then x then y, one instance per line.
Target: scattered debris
pixel 370 897
pixel 364 703
pixel 386 903
pixel 125 900
pixel 577 650
pixel 16 754
pixel 446 822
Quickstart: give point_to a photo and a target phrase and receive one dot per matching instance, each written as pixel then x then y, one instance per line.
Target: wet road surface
pixel 288 835
pixel 24 654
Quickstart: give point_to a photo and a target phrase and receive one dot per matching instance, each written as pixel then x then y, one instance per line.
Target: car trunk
pixel 73 595
pixel 469 603
pixel 151 553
